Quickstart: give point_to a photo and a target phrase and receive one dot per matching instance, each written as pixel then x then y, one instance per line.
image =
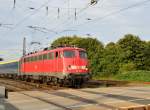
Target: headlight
pixel 77 67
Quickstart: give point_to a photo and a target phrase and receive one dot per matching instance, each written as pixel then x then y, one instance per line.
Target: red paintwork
pixel 57 65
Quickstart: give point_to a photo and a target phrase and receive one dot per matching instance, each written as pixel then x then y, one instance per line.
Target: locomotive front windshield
pixel 82 54
pixel 69 54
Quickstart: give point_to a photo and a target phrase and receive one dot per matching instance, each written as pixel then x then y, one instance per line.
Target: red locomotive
pixel 61 65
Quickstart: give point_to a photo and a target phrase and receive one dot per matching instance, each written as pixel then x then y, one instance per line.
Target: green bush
pixel 127 67
pixel 139 75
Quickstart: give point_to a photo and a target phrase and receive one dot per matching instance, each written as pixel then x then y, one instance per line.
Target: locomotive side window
pixel 35 58
pixel 56 55
pixel 40 57
pixel 44 56
pixel 29 59
pixel 50 56
pixel 82 54
pixel 69 54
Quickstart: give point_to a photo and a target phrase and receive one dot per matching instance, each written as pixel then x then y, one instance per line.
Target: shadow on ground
pixel 4 105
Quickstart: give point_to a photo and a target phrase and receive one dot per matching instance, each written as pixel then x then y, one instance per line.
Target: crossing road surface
pixel 113 98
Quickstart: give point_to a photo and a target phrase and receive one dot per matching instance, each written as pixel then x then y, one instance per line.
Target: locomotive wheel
pixel 55 81
pixel 61 83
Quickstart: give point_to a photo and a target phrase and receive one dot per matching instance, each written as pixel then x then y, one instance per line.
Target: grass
pixel 142 76
pixel 139 76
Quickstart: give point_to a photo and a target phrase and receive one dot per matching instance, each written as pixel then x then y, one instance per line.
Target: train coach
pixel 62 65
pixel 8 68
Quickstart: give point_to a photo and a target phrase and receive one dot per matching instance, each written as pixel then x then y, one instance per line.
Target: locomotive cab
pixel 76 64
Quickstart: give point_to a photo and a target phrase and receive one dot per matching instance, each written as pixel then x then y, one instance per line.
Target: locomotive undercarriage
pixel 69 80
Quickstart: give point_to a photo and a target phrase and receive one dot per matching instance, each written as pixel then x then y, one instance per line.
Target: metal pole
pixel 24 46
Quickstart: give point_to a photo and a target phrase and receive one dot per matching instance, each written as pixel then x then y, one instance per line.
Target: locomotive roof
pixel 53 50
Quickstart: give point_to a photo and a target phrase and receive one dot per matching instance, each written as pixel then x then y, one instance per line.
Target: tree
pixel 132 48
pixel 111 59
pixel 146 58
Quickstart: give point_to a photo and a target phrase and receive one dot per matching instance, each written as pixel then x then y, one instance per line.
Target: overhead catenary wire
pixel 69 30
pixel 30 15
pixel 111 14
pixel 58 16
pixel 36 10
pixel 76 14
pixel 43 29
pixel 67 20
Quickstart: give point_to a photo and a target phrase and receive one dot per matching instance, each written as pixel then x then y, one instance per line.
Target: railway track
pixel 105 83
pixel 17 85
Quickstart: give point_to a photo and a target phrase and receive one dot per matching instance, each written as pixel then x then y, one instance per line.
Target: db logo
pixel 35 66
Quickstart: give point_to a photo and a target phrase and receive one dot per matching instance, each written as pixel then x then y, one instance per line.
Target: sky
pixel 108 21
